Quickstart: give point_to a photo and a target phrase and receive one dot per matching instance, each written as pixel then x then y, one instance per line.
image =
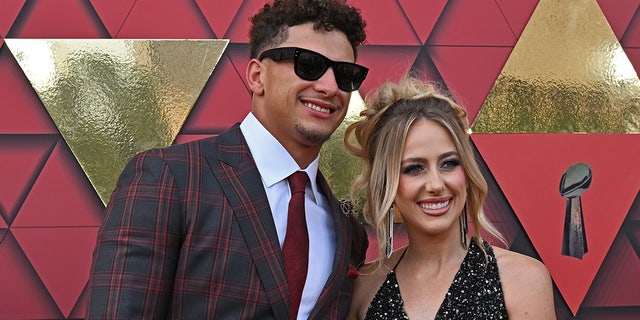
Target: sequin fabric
pixel 475 293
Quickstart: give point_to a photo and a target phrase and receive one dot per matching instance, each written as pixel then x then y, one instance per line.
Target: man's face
pixel 303 114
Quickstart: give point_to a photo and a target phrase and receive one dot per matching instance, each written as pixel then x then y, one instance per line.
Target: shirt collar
pixel 272 159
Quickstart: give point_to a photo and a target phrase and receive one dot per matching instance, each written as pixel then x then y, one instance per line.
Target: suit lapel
pixel 240 180
pixel 343 246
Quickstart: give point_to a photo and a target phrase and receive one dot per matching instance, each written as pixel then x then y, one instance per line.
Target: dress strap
pixel 402 256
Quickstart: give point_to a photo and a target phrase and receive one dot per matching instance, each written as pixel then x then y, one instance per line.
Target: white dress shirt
pixel 275 164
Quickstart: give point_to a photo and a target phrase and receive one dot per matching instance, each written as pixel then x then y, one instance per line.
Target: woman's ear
pixel 254 76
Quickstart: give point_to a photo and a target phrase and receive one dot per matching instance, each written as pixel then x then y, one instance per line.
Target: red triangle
pixel 184 138
pixel 517 13
pixel 61 18
pixel 62 259
pixel 78 311
pixel 634 216
pixel 470 72
pixel 385 63
pixel 219 14
pixel 499 213
pixel 425 68
pixel 3 226
pixel 113 13
pixel 611 287
pixel 528 168
pixel 477 23
pixel 633 232
pixel 387 23
pixel 22 293
pixel 9 10
pixel 224 85
pixel 165 20
pixel 619 14
pixel 21 112
pixel 423 15
pixel 238 54
pixel 238 31
pixel 631 36
pixel 634 57
pixel 61 196
pixel 21 159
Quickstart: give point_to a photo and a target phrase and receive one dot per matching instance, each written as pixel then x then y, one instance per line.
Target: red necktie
pixel 295 249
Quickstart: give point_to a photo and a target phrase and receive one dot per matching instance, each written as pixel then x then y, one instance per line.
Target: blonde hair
pixel 378 139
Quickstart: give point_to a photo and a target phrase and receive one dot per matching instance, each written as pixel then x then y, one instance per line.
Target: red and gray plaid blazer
pixel 188 234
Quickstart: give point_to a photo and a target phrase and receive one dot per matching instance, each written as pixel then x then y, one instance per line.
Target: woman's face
pixel 432 185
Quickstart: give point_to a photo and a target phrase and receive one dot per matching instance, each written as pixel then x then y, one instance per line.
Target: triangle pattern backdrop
pixel 111 99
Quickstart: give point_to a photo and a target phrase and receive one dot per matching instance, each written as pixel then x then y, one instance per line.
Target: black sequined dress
pixel 475 293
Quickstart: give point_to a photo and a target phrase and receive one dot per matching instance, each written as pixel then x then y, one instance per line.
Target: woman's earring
pixel 389 244
pixel 463 227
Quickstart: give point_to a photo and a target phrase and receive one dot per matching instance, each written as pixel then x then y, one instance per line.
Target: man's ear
pixel 254 76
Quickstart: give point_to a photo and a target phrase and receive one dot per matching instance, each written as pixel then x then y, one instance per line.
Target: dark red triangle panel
pixel 387 23
pixel 472 23
pixel 425 68
pixel 219 14
pixel 631 36
pixel 469 72
pixel 619 14
pixel 113 13
pixel 21 111
pixel 634 57
pixel 423 15
pixel 9 10
pixel 385 63
pixel 620 268
pixel 22 294
pixel 238 31
pixel 21 160
pixel 62 259
pixel 61 196
pixel 152 19
pixel 57 19
pixel 234 97
pixel 517 13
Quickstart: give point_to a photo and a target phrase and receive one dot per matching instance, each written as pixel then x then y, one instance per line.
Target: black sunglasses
pixel 310 65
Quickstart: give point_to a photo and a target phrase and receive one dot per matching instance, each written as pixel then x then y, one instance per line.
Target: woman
pixel 418 163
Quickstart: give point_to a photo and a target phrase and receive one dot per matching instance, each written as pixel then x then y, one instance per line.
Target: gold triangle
pixel 111 98
pixel 567 74
pixel 338 166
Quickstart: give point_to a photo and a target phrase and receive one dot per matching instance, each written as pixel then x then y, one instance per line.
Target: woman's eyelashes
pixel 416 168
pixel 450 163
pixel 413 168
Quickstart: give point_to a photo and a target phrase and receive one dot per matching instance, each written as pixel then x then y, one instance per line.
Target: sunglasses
pixel 310 65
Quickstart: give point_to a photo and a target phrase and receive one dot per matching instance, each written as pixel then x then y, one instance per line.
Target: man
pixel 197 230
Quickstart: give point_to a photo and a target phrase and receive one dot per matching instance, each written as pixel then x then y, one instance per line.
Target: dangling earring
pixel 463 227
pixel 389 244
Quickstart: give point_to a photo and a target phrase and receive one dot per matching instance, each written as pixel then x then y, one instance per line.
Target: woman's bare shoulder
pixel 513 263
pixel 527 285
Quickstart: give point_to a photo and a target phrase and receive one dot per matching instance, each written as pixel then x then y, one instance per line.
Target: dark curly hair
pixel 271 24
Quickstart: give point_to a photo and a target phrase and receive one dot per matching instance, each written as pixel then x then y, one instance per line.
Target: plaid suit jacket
pixel 188 234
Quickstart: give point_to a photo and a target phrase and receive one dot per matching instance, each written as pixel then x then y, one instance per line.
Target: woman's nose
pixel 434 182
